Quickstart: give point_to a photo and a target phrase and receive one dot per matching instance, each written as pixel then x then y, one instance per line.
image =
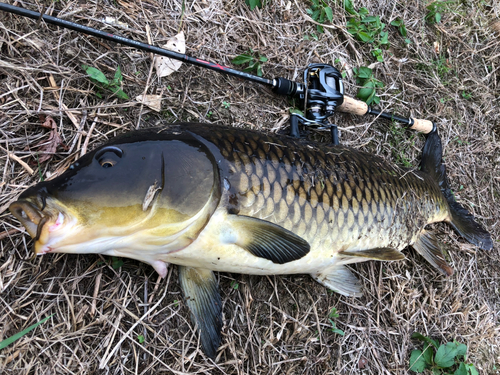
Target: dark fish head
pixel 144 187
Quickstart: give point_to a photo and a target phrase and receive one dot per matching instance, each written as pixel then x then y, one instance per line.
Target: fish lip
pixel 29 215
pixel 36 221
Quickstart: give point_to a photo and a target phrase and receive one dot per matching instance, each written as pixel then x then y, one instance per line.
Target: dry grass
pixel 273 325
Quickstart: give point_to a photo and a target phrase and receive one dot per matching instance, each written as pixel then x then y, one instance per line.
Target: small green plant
pixel 102 82
pixel 17 336
pixel 255 3
pixel 116 262
pixel 445 359
pixel 334 315
pixel 434 11
pixel 226 104
pixel 466 95
pixel 320 11
pixel 367 29
pixel 399 23
pixel 234 284
pixel 140 339
pixel 369 85
pixel 253 59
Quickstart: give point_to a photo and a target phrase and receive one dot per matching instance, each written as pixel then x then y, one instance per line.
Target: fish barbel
pixel 212 198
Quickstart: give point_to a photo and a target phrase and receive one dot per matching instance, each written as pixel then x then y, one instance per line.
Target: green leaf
pixel 259 70
pixel 364 36
pixel 141 339
pixel 364 72
pixel 438 17
pixel 253 3
pixel 365 93
pixel 384 37
pixel 95 74
pixel 349 7
pixel 370 19
pixel 329 14
pixel 118 75
pixel 445 355
pixel 461 349
pixel 472 369
pixel 417 361
pixel 419 336
pixel 263 58
pixel 116 262
pixel 297 111
pixel 428 354
pixel 461 370
pixel 242 59
pixel 121 94
pixel 315 14
pixel 17 336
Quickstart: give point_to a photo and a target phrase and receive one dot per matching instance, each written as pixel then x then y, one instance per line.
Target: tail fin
pixel 461 219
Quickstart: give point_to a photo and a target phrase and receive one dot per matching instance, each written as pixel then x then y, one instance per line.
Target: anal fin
pixel 428 246
pixel 201 293
pixel 339 279
pixel 264 239
pixel 379 253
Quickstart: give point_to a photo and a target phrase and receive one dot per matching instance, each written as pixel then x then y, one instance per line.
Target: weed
pixel 226 104
pixel 399 23
pixel 441 359
pixel 466 95
pixel 116 262
pixel 102 82
pixel 234 284
pixel 368 83
pixel 320 11
pixel 434 11
pixel 17 336
pixel 250 58
pixel 255 3
pixel 334 315
pixel 140 339
pixel 367 29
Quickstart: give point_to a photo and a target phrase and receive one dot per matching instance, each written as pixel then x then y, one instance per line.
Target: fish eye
pixel 109 156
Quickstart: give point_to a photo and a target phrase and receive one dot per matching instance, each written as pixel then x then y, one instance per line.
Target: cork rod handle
pixel 351 105
pixel 357 107
pixel 424 126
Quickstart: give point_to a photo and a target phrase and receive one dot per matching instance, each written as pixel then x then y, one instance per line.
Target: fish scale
pixel 339 193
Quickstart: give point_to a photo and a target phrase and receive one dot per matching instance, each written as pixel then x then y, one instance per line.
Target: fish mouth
pixel 38 223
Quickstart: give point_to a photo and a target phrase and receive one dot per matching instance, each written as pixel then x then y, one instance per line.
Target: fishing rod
pixel 320 95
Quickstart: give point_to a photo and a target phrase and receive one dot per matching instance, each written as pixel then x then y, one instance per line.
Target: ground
pixel 447 73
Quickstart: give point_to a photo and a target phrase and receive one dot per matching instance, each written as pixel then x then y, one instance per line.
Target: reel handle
pixel 360 108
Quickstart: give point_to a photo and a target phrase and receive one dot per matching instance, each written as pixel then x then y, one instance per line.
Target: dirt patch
pixel 448 73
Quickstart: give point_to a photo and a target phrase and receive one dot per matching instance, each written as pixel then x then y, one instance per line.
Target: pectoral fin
pixel 428 246
pixel 264 239
pixel 339 279
pixel 379 253
pixel 201 293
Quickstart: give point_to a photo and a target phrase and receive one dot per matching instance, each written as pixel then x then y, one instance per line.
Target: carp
pixel 210 198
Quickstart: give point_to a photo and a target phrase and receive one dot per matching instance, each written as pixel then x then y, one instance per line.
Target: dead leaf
pixel 49 147
pixel 165 66
pixel 362 363
pixel 152 101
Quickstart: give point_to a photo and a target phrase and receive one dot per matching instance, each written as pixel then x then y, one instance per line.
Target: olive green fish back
pixel 330 196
